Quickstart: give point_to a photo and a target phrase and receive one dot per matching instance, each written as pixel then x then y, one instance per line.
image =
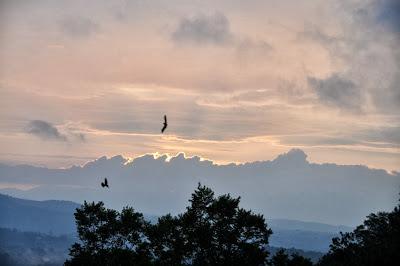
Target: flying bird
pixel 105 183
pixel 165 124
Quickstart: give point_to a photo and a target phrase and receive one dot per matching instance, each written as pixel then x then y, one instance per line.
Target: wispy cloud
pixel 338 92
pixel 78 27
pixel 204 29
pixel 45 130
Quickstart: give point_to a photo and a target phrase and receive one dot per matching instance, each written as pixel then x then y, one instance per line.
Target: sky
pixel 239 81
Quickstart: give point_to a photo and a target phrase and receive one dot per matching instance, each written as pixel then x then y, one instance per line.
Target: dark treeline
pixel 375 242
pixel 216 231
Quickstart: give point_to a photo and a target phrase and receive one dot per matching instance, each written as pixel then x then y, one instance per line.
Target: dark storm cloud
pixel 203 29
pixel 45 130
pixel 78 27
pixel 338 92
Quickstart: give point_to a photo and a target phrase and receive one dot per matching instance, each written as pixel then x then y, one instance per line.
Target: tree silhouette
pixel 167 241
pixel 282 259
pixel 109 238
pixel 5 259
pixel 375 242
pixel 216 231
pixel 212 231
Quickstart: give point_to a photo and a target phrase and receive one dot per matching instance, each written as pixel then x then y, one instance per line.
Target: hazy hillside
pixel 300 239
pixel 38 216
pixel 285 224
pixel 288 186
pixel 32 248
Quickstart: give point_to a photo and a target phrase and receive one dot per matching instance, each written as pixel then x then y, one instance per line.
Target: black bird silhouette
pixel 105 183
pixel 165 124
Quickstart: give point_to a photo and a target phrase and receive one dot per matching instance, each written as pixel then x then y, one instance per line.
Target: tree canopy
pixel 109 237
pixel 375 242
pixel 212 231
pixel 283 259
pixel 216 231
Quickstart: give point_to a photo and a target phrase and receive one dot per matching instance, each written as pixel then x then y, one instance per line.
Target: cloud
pixel 78 27
pixel 204 29
pixel 371 63
pixel 160 184
pixel 252 51
pixel 313 140
pixel 313 32
pixel 389 14
pixel 337 91
pixel 390 135
pixel 82 137
pixel 45 130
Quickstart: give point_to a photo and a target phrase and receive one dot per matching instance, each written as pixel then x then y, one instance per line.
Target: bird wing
pixel 105 181
pixel 165 119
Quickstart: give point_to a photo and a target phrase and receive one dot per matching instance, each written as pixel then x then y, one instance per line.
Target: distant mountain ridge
pixel 288 186
pixel 285 224
pixel 39 216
